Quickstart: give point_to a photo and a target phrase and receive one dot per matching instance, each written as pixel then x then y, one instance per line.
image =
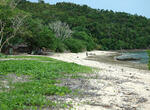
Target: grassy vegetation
pixel 2 55
pixel 43 75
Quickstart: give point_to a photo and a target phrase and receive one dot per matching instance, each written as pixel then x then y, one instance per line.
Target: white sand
pixel 119 88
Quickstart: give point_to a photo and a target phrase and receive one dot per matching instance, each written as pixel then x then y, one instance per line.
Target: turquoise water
pixel 142 55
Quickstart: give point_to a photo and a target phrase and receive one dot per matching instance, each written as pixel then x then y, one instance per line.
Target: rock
pixel 142 100
pixel 127 59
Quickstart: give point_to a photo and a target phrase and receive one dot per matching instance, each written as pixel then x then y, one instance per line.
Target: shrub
pixel 3 56
pixel 60 46
pixel 46 39
pixel 90 44
pixel 75 45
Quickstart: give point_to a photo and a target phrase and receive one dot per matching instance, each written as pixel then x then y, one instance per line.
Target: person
pixel 86 53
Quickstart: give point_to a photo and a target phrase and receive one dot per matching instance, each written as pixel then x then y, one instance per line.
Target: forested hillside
pixel 67 26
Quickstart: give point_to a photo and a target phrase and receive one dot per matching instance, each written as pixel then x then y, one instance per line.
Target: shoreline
pixel 110 59
pixel 117 87
pixel 132 50
pixel 96 56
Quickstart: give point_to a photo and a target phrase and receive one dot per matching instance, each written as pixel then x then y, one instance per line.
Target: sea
pixel 141 55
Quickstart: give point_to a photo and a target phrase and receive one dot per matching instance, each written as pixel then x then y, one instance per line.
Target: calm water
pixel 142 55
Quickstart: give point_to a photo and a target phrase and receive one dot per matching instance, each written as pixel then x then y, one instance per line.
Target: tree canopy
pixel 88 28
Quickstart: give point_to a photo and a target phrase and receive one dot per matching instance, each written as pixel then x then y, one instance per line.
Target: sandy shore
pixel 115 87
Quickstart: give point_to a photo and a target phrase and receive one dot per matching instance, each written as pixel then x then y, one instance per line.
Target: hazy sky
pixel 140 7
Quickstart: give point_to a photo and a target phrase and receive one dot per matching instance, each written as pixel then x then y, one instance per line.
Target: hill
pixel 89 28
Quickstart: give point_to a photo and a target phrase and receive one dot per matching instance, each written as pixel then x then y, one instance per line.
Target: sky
pixel 139 7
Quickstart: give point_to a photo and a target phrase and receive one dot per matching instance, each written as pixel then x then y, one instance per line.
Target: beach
pixel 115 86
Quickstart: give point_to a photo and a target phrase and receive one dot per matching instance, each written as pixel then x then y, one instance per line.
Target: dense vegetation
pixel 87 28
pixel 40 80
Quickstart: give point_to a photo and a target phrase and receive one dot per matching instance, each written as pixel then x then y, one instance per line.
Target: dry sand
pixel 115 87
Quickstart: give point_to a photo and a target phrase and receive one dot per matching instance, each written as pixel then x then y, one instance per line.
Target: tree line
pixel 71 27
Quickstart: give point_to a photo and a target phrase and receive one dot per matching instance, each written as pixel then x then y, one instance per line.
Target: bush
pixel 2 55
pixel 107 44
pixel 75 45
pixel 90 44
pixel 60 46
pixel 46 39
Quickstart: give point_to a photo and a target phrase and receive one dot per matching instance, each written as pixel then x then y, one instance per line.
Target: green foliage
pixel 84 37
pixel 26 67
pixel 2 55
pixel 91 28
pixel 60 46
pixel 111 30
pixel 45 38
pixel 75 45
pixel 11 21
pixel 107 43
pixel 41 1
pixel 41 84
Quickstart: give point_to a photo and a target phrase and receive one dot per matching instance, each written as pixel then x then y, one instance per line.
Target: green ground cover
pixel 43 76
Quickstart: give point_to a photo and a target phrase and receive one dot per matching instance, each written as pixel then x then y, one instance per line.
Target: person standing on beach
pixel 86 53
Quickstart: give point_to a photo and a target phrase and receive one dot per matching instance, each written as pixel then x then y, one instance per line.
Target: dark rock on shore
pixel 127 59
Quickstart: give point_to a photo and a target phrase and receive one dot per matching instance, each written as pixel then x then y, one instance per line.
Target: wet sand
pixel 110 59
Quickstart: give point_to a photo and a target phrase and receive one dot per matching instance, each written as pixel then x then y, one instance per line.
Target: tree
pixel 111 30
pixel 45 38
pixel 41 1
pixel 85 38
pixel 11 3
pixel 11 21
pixel 61 30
